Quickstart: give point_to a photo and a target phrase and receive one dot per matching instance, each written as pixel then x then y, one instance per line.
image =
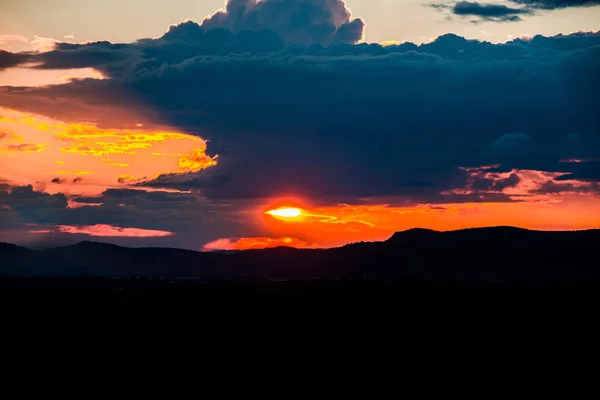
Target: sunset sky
pixel 304 123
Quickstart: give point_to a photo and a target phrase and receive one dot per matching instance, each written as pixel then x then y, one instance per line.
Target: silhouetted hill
pixel 9 249
pixel 482 254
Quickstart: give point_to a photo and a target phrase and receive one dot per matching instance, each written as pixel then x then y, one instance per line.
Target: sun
pixel 285 212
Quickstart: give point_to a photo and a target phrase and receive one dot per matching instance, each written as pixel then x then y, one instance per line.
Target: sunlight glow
pixel 287 212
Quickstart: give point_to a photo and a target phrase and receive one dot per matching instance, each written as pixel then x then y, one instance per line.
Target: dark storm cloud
pixel 484 11
pixel 582 171
pixel 495 185
pixel 31 205
pixel 105 56
pixel 181 42
pixel 8 59
pixel 296 21
pixel 368 123
pixel 195 221
pixel 502 13
pixel 553 187
pixel 206 179
pixel 555 4
pixel 346 121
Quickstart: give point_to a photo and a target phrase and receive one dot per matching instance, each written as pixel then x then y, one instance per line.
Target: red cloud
pixel 112 231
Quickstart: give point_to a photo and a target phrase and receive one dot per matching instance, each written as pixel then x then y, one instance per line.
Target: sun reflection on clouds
pixel 110 157
pixel 338 224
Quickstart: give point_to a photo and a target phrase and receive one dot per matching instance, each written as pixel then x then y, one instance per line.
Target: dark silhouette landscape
pixel 500 254
pixel 416 278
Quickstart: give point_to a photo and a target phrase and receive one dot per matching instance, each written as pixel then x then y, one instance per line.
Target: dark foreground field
pixel 344 315
pixel 345 295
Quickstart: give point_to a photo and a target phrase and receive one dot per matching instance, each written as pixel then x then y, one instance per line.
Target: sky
pixel 304 123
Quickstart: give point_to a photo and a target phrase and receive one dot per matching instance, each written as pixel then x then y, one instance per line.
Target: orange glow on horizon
pixel 337 225
pixel 255 243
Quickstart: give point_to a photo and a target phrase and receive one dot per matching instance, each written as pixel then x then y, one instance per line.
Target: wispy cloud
pixel 484 11
pixel 101 230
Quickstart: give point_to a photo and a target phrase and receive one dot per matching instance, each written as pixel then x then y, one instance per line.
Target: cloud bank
pixel 344 120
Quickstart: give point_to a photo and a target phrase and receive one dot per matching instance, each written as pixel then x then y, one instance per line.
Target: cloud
pixel 344 121
pixel 43 44
pixel 556 4
pixel 488 11
pixel 588 171
pixel 196 161
pixel 8 59
pixel 202 180
pixel 85 149
pixel 257 243
pixel 29 205
pixel 23 148
pixel 495 12
pixel 102 230
pixel 197 220
pixel 295 21
pixel 553 187
pixel 194 220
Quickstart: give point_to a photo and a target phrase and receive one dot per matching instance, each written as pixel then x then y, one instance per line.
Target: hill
pixel 500 254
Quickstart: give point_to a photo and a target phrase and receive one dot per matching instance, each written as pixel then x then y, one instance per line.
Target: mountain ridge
pixel 488 254
pixel 411 231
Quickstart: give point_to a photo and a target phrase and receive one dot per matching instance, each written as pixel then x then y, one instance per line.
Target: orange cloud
pixel 102 230
pixel 111 157
pixel 197 161
pixel 82 73
pixel 33 77
pixel 23 148
pixel 257 243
